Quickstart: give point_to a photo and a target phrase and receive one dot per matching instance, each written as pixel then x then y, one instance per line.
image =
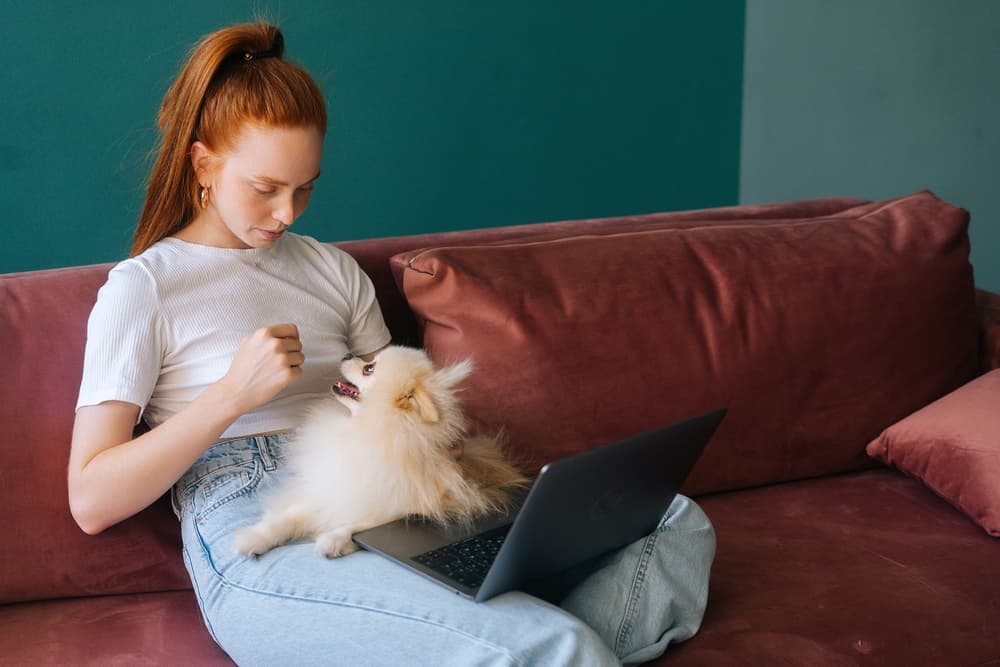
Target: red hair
pixel 232 77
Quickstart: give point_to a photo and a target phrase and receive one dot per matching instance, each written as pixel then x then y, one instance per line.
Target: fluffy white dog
pixel 388 455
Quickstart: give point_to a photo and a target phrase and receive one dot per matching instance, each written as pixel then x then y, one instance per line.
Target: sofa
pixel 854 484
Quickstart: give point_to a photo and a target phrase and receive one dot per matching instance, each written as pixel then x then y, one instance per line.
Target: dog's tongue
pixel 345 388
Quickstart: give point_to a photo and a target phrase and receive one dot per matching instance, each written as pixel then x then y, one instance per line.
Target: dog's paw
pixel 335 543
pixel 252 542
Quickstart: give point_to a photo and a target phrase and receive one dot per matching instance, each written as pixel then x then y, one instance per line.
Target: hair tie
pixel 259 55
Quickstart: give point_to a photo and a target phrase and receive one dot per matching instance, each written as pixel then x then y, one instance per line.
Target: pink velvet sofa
pixel 854 485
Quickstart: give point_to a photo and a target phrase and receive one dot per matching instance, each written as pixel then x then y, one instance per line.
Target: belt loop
pixel 265 452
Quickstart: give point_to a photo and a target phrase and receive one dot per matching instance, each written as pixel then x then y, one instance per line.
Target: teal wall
pixel 445 114
pixel 876 98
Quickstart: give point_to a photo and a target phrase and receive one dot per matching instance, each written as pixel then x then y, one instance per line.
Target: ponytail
pixel 234 76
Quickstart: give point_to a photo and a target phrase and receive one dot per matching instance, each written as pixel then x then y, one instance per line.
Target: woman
pixel 203 334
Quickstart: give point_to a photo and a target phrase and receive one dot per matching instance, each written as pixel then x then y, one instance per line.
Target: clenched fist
pixel 267 361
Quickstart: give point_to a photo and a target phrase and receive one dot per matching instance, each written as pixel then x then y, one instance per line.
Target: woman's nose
pixel 285 214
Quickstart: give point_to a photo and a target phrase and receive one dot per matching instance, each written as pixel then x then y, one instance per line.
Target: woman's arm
pixel 113 475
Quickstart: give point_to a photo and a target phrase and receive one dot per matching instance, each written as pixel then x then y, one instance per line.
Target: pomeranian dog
pixel 389 454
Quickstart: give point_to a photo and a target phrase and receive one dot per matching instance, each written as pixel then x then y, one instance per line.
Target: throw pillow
pixel 953 447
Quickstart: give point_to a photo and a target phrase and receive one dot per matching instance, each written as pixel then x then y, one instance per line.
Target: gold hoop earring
pixel 203 197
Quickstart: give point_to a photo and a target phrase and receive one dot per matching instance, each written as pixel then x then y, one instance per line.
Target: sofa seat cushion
pixel 854 570
pixel 953 447
pixel 136 629
pixel 816 333
pixel 866 568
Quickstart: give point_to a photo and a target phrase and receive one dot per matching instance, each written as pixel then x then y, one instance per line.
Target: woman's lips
pixel 272 236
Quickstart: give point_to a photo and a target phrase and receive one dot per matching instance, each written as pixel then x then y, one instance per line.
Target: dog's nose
pixel 348 357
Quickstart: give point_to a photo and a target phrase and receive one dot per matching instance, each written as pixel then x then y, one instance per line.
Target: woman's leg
pixel 652 592
pixel 290 606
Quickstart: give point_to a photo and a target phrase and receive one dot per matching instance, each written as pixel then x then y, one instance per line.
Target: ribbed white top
pixel 167 324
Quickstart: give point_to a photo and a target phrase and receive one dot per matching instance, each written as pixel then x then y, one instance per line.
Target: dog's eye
pixel 368 369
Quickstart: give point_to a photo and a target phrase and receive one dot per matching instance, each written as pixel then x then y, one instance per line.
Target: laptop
pixel 577 509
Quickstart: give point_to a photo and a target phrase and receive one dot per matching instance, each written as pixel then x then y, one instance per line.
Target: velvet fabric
pixel 373 253
pixel 953 447
pixel 110 631
pixel 43 553
pixel 856 570
pixel 792 324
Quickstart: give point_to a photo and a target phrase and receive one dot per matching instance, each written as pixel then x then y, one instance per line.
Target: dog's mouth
pixel 347 390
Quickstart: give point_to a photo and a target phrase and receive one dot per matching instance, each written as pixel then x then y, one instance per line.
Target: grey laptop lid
pixel 578 508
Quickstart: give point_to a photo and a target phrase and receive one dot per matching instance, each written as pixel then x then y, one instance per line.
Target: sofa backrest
pixel 43 319
pixel 43 554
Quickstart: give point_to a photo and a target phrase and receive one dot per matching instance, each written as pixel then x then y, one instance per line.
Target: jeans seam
pixel 635 592
pixel 197 592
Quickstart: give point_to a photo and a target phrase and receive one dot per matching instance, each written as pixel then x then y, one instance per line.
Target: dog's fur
pixel 385 457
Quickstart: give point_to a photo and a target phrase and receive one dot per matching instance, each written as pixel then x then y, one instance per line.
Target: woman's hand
pixel 267 361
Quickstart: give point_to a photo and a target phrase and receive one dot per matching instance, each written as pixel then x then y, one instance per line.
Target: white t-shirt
pixel 167 324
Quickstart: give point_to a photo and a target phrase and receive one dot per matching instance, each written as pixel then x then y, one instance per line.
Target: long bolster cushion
pixel 816 333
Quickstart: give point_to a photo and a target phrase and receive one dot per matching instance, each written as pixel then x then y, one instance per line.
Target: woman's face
pixel 256 190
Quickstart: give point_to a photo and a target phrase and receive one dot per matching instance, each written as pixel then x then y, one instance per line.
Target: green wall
pixel 445 114
pixel 876 99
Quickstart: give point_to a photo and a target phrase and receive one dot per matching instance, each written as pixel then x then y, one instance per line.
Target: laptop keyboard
pixel 466 561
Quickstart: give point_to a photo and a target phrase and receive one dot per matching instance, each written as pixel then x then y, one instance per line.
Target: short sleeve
pixel 124 340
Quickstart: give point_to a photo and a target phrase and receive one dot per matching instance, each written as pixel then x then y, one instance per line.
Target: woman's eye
pixel 263 189
pixel 368 370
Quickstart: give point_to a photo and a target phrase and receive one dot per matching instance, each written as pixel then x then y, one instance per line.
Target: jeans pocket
pixel 223 485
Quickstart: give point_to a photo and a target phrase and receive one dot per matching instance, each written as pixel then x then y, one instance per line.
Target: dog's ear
pixel 419 399
pixel 449 376
pixel 425 405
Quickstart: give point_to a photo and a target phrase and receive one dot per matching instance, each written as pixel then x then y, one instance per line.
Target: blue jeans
pixel 292 607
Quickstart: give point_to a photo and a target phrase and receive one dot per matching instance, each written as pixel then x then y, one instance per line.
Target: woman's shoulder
pixel 158 270
pixel 130 288
pixel 152 260
pixel 131 273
